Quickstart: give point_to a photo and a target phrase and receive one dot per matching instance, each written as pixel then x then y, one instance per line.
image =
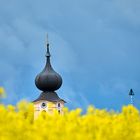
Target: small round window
pixel 43 105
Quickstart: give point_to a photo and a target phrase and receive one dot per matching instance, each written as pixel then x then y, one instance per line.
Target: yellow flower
pixel 2 92
pixel 17 123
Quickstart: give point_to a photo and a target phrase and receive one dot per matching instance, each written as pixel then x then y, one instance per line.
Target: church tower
pixel 48 81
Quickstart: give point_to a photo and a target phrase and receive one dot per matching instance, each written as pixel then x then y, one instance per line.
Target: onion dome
pixel 48 79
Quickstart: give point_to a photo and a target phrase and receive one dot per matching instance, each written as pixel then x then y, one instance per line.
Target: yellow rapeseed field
pixel 17 123
pixel 2 92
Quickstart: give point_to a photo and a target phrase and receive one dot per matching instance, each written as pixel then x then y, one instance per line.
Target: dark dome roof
pixel 48 79
pixel 49 96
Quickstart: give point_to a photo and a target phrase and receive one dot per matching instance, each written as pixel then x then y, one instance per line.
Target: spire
pixel 48 51
pixel 48 79
pixel 131 94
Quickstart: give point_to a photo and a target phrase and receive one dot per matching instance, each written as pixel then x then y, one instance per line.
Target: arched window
pixel 43 111
pixel 59 104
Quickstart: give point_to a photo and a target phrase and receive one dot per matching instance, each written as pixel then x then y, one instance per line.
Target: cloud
pixel 94 46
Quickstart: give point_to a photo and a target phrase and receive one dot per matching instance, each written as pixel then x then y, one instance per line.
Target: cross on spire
pixel 48 52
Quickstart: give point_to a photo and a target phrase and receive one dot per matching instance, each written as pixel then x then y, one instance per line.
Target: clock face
pixel 43 105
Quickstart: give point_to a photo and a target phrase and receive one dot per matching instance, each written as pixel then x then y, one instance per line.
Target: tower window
pixel 58 104
pixel 59 111
pixel 43 105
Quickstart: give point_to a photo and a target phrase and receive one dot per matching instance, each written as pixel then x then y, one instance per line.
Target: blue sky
pixel 95 46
